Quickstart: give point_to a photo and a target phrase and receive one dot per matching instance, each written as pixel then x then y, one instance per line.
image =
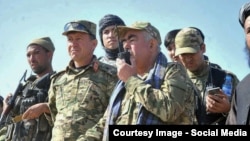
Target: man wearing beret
pixel 150 90
pixel 79 95
pixel 240 113
pixel 109 39
pixel 34 92
pixel 190 49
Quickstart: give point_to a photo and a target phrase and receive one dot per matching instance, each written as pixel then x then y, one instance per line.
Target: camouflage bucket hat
pixel 44 42
pixel 80 26
pixel 122 30
pixel 188 40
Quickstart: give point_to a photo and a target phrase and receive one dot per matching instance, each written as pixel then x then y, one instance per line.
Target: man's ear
pixel 153 43
pixel 203 47
pixel 50 54
pixel 94 43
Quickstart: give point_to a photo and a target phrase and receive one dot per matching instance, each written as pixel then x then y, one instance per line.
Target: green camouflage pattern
pixel 89 27
pixel 174 103
pixel 139 25
pixel 78 99
pixel 188 40
pixel 200 81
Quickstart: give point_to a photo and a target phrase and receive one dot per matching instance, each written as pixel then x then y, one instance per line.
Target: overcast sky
pixel 24 20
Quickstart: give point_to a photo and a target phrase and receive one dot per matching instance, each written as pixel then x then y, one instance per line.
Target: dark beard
pixel 247 50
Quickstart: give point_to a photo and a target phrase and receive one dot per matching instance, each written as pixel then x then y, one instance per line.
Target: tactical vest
pixel 216 77
pixel 36 129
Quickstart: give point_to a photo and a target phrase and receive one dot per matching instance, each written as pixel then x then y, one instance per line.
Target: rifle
pixel 42 85
pixel 122 54
pixel 11 102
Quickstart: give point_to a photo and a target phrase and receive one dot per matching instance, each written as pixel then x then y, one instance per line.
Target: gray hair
pixel 148 37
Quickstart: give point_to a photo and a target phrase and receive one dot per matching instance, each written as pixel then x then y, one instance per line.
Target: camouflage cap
pixel 44 42
pixel 80 26
pixel 122 30
pixel 188 40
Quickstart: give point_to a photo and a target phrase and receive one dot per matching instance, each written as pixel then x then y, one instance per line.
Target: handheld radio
pixel 122 54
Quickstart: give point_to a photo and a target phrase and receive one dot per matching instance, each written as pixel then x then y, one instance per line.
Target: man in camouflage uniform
pixel 151 90
pixel 35 91
pixel 169 43
pixel 79 95
pixel 190 49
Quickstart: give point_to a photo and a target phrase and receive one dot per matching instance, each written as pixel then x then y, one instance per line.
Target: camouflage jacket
pixel 209 77
pixel 107 61
pixel 173 103
pixel 79 98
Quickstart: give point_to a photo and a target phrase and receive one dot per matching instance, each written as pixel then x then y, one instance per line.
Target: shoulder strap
pixel 217 77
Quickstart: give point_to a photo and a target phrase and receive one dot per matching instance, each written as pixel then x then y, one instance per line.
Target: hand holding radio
pixel 125 55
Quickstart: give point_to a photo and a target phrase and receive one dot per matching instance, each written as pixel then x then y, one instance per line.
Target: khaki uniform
pixel 79 98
